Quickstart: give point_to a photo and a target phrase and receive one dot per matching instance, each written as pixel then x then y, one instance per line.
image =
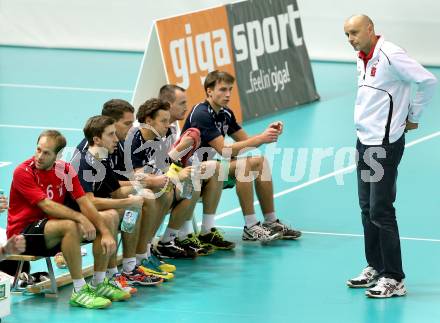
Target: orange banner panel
pixel 193 45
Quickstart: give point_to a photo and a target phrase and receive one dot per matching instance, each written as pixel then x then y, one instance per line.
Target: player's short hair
pixel 115 108
pixel 215 77
pixel 95 127
pixel 150 108
pixel 60 140
pixel 168 92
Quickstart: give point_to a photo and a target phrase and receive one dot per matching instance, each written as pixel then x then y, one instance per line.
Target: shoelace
pixel 154 260
pixel 195 241
pixel 384 282
pixel 89 292
pixel 260 232
pixel 112 286
pixel 173 244
pixel 121 280
pixel 366 272
pixel 284 227
pixel 217 234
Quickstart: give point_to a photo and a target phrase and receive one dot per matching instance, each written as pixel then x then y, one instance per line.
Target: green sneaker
pixel 111 291
pixel 193 243
pixel 87 298
pixel 215 239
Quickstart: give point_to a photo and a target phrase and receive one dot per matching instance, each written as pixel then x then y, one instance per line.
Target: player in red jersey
pixel 39 188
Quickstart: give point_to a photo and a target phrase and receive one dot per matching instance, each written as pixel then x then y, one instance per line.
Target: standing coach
pixel 384 111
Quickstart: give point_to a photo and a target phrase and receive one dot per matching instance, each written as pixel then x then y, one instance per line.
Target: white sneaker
pixel 258 233
pixel 367 278
pixel 387 287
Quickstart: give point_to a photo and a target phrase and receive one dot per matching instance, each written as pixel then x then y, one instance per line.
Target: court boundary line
pixel 324 177
pixel 284 192
pixel 38 127
pixel 352 235
pixel 63 88
pixel 4 163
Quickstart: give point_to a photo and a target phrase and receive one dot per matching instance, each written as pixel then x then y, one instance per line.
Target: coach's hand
pixel 411 126
pixel 87 228
pixel 108 244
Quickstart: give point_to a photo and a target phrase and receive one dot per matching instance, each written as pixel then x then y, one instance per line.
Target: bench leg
pixel 17 273
pixel 53 282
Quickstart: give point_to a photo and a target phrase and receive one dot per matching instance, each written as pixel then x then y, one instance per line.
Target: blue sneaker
pixel 149 268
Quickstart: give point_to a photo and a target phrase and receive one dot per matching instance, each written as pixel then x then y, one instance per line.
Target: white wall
pixel 413 25
pixel 124 24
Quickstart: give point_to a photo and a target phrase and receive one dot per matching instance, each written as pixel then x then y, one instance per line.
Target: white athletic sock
pixel 128 264
pixel 169 235
pixel 111 272
pixel 140 257
pixel 208 222
pixel 149 249
pixel 250 220
pixel 270 217
pixel 98 278
pixel 186 229
pixel 78 284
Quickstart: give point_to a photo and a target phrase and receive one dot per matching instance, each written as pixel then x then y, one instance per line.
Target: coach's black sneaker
pixel 216 240
pixel 288 232
pixel 367 278
pixel 192 243
pixel 172 250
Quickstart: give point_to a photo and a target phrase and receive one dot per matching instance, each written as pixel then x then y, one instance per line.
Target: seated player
pixel 211 188
pixel 123 114
pixel 149 157
pixel 102 187
pixel 215 120
pixel 38 191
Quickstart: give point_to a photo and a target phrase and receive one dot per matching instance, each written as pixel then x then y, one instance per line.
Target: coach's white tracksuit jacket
pixel 383 102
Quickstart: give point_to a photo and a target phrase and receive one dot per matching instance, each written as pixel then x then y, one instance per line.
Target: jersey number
pixel 49 191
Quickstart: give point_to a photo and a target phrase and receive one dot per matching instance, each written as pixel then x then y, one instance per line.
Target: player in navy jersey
pixel 150 155
pixel 215 120
pixel 149 158
pixel 211 188
pixel 102 187
pixel 123 114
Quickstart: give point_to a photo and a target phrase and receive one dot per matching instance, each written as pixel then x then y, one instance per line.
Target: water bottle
pixel 187 190
pixel 186 187
pixel 2 194
pixel 129 220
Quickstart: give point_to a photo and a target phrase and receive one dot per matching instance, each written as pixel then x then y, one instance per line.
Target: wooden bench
pixel 48 288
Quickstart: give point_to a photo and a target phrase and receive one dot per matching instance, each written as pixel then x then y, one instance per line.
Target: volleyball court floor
pixel 287 281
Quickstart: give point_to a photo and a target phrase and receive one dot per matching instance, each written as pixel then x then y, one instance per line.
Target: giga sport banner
pixel 260 42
